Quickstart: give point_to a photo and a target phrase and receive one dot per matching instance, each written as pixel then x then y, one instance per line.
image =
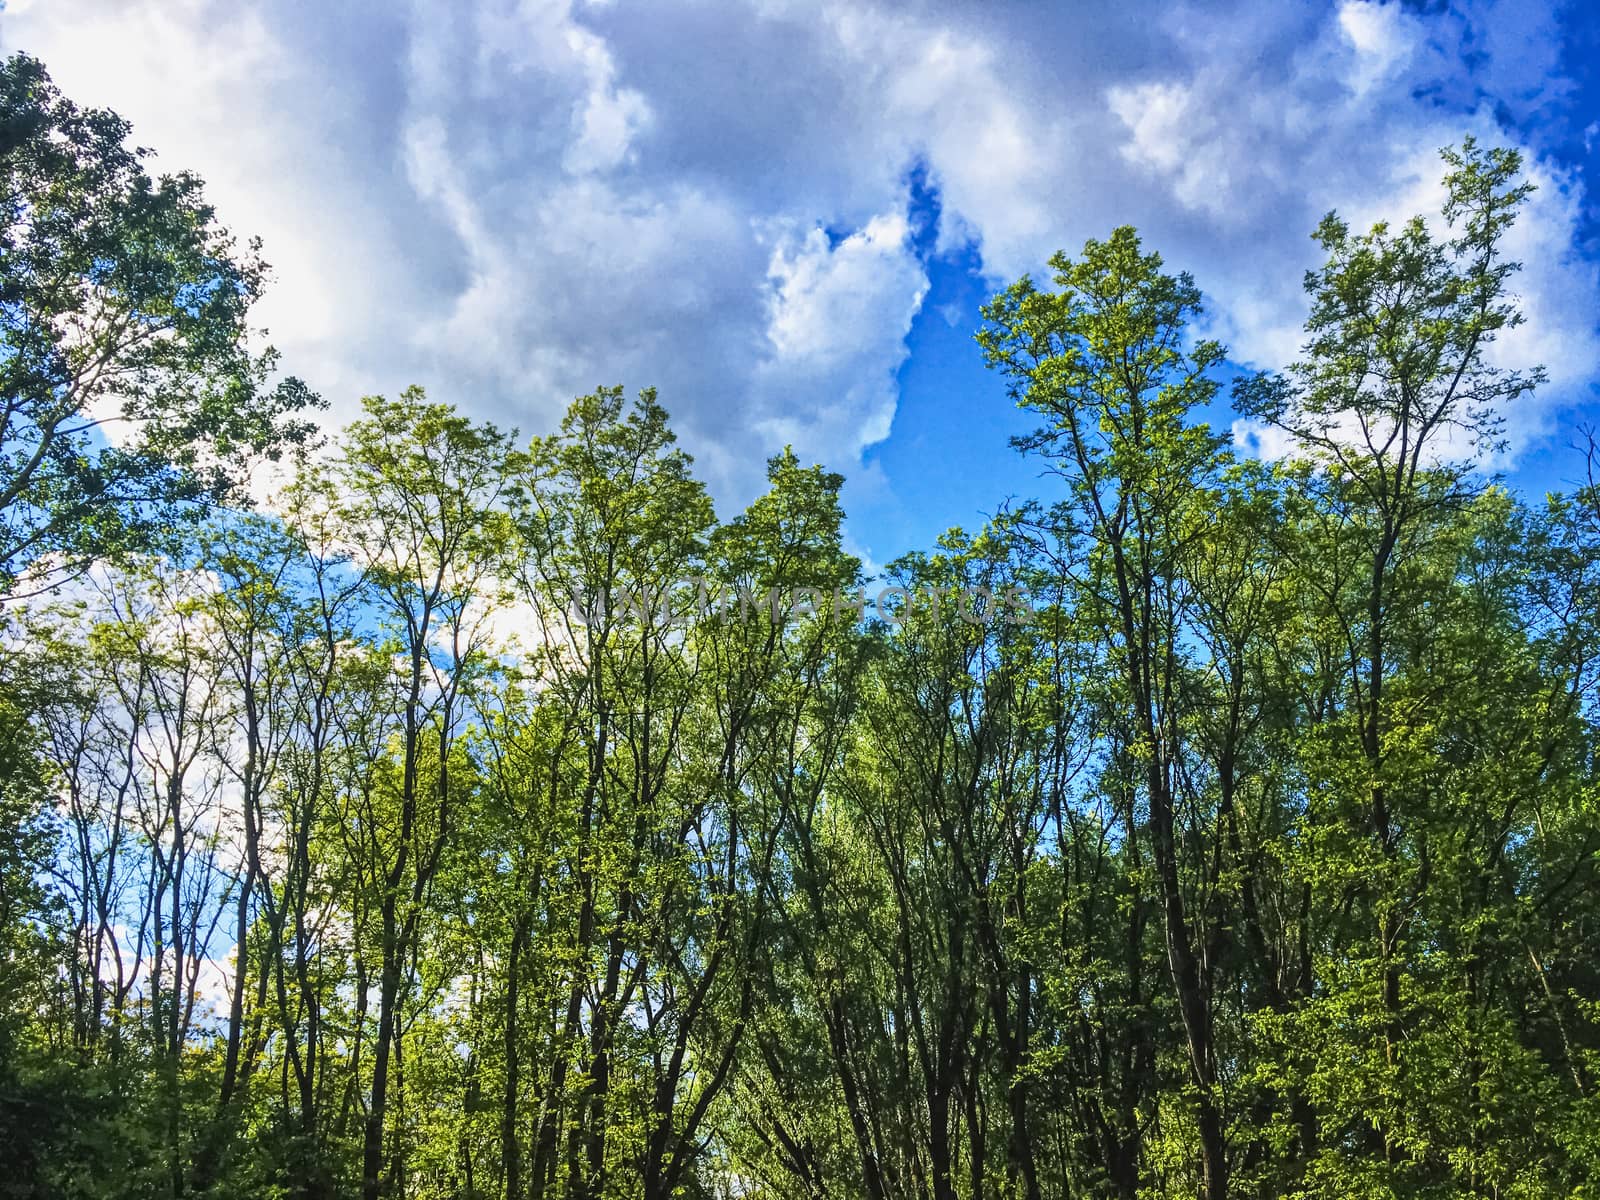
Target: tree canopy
pixel 491 818
pixel 131 393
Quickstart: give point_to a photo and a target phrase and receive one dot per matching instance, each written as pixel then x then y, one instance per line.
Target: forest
pixel 374 825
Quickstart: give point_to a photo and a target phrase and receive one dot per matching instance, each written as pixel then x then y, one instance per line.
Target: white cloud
pixel 1382 36
pixel 1171 133
pixel 1354 121
pixel 1263 441
pixel 837 320
pixel 515 202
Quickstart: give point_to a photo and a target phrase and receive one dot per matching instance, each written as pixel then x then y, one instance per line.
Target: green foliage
pixel 131 398
pixel 490 822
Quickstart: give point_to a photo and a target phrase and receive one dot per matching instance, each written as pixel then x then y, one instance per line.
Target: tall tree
pixel 1107 361
pixel 420 492
pixel 1395 397
pixel 130 397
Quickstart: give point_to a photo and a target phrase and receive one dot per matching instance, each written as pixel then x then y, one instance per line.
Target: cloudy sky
pixel 785 215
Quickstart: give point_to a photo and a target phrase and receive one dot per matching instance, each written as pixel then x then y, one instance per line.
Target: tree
pixel 1106 361
pixel 130 399
pixel 419 492
pixel 482 822
pixel 1395 397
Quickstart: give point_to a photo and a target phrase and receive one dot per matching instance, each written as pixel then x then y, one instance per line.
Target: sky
pixel 785 216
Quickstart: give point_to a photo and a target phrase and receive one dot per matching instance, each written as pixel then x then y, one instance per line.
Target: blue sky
pixel 786 215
